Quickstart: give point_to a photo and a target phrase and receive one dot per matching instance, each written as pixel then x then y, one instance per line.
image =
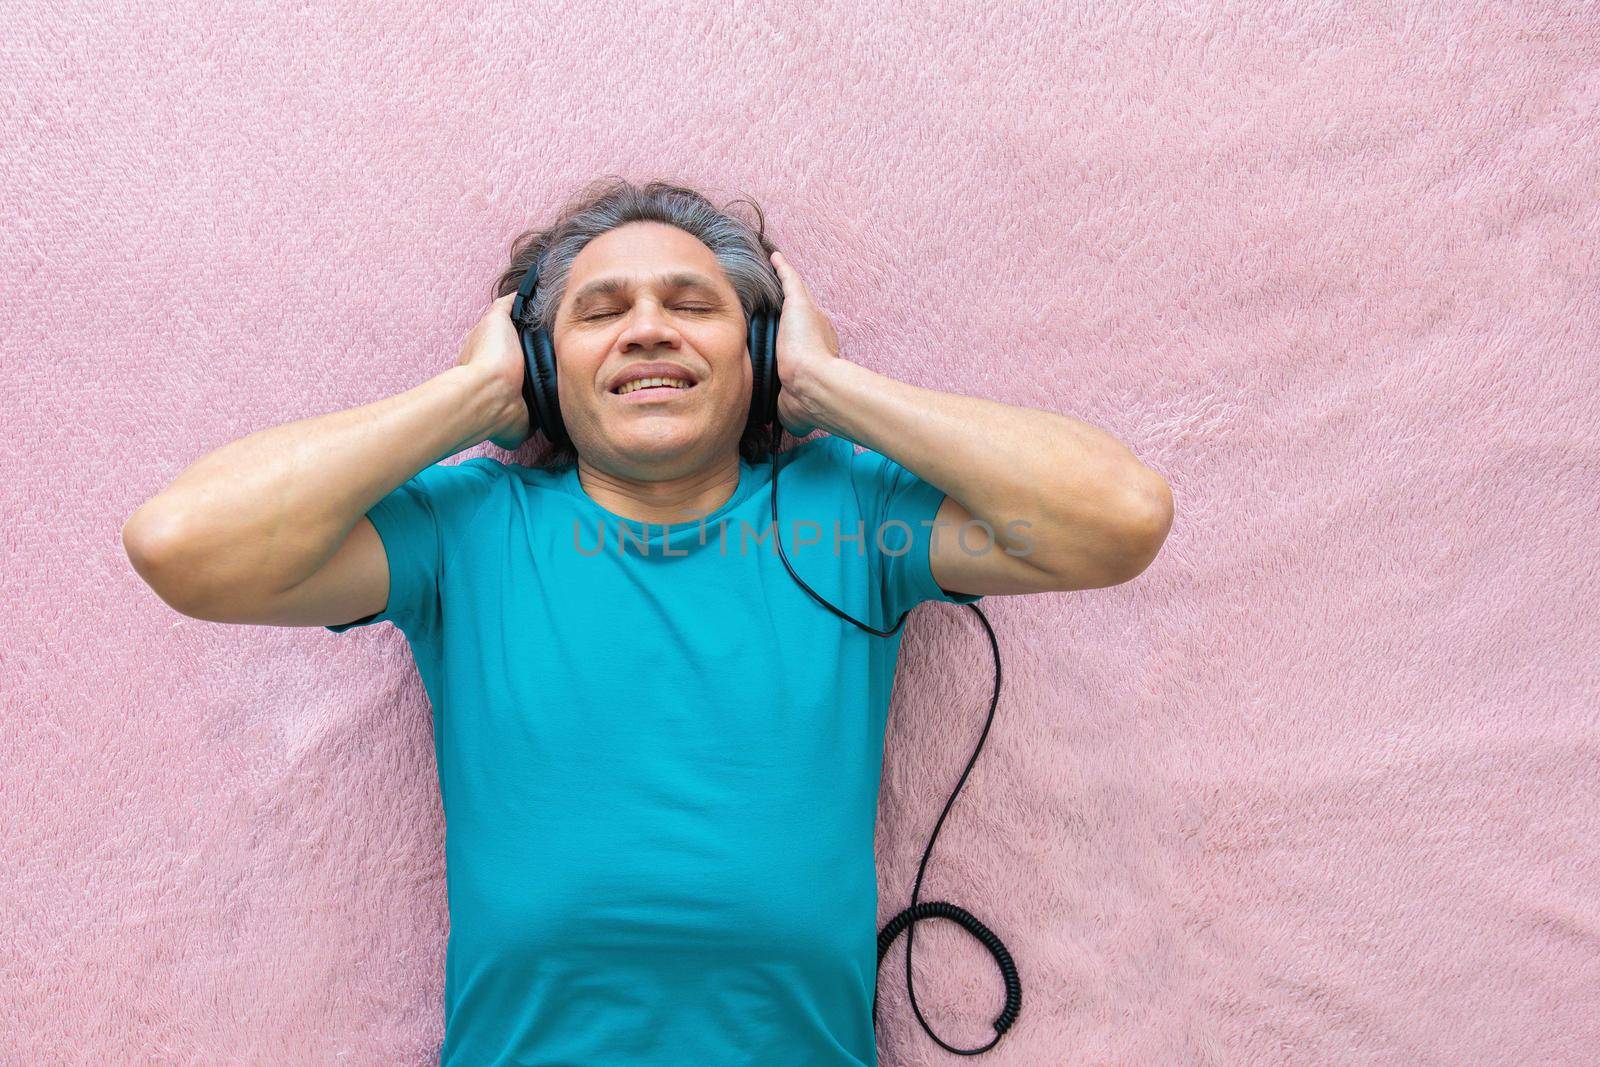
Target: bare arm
pixel 1095 516
pixel 240 534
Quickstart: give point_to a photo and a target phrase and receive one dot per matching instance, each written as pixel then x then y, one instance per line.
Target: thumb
pixel 789 278
pixel 500 305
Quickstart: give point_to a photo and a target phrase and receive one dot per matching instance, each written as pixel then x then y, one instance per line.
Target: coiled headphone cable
pixel 910 916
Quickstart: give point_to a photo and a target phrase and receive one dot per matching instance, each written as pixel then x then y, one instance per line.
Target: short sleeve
pixel 899 509
pixel 421 523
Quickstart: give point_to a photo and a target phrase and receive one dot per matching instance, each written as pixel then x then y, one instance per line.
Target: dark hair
pixel 741 247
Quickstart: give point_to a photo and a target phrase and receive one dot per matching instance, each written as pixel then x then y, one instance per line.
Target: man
pixel 659 758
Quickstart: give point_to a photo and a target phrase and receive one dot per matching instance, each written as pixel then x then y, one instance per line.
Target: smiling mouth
pixel 653 391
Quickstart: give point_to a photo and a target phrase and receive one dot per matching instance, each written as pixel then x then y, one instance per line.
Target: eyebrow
pixel 602 287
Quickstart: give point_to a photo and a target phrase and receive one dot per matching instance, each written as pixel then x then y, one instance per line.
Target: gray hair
pixel 741 247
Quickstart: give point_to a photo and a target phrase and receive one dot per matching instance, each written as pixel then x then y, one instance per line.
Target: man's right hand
pixel 493 350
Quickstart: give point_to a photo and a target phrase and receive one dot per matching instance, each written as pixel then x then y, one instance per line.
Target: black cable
pixel 939 909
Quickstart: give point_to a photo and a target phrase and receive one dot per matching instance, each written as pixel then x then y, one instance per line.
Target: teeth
pixel 646 383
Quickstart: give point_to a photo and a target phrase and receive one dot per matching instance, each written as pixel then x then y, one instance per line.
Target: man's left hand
pixel 806 343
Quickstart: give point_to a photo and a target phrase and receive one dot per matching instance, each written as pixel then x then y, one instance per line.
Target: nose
pixel 647 327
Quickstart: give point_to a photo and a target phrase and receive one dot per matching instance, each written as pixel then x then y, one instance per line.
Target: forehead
pixel 614 284
pixel 643 255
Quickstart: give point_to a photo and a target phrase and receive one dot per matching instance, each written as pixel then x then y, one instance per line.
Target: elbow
pixel 1128 535
pixel 151 540
pixel 139 543
pixel 147 536
pixel 1149 520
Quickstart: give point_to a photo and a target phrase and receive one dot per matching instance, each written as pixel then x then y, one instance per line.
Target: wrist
pixel 824 393
pixel 484 406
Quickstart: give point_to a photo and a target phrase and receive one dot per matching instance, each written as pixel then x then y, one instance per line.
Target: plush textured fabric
pixel 1317 788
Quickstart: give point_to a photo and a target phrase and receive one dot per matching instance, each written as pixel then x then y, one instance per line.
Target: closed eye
pixel 608 314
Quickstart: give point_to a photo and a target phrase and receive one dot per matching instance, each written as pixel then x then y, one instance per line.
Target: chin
pixel 664 441
pixel 659 440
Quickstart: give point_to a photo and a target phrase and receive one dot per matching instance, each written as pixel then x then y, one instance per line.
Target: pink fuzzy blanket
pixel 1319 787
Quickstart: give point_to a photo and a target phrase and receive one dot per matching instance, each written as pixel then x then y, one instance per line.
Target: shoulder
pixel 452 492
pixel 477 471
pixel 484 468
pixel 871 473
pixel 841 460
pixel 827 451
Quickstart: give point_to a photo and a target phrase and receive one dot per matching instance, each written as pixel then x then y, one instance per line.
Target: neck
pixel 662 500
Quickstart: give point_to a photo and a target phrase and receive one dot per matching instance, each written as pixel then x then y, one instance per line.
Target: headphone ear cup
pixel 774 383
pixel 538 364
pixel 535 424
pixel 764 369
pixel 539 385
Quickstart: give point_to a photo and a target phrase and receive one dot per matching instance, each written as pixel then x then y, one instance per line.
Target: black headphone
pixel 544 413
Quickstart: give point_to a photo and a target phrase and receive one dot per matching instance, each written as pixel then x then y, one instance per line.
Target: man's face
pixel 653 315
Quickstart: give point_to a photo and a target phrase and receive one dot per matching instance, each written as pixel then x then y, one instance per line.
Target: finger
pixel 791 280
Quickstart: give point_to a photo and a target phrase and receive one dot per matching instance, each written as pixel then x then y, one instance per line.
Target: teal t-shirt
pixel 659 758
